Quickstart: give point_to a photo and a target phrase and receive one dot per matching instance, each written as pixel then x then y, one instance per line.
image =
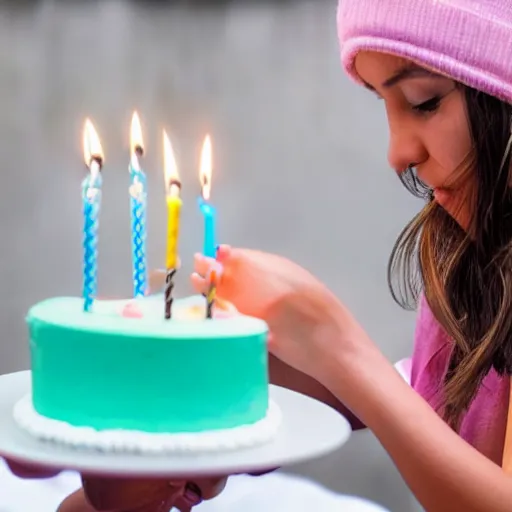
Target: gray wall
pixel 300 156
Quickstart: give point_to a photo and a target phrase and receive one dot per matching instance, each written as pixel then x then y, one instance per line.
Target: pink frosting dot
pixel 132 310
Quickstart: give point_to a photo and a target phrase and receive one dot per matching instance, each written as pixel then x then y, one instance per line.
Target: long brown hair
pixel 466 276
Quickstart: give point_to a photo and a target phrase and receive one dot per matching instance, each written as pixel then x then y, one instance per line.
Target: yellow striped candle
pixel 173 229
pixel 173 188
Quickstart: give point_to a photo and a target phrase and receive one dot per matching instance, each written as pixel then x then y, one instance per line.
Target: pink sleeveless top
pixel 484 424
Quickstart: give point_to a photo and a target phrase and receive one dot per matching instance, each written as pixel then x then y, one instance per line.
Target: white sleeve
pixel 276 492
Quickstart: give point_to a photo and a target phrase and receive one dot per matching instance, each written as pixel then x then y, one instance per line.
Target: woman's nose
pixel 405 146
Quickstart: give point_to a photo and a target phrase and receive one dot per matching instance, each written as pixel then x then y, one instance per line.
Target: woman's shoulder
pixel 484 423
pixel 429 335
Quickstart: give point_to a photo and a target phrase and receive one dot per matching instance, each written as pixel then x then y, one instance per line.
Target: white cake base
pixel 126 441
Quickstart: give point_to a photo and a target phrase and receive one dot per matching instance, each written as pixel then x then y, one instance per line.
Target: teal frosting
pixel 105 371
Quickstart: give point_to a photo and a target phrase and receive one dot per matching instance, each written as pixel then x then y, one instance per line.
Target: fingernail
pixel 193 493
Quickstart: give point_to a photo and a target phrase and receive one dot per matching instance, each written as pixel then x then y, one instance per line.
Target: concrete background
pixel 299 151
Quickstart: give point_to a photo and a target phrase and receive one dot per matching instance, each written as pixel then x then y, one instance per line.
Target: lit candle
pixel 138 202
pixel 208 211
pixel 173 189
pixel 91 198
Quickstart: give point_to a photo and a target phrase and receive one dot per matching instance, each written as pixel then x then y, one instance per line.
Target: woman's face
pixel 428 125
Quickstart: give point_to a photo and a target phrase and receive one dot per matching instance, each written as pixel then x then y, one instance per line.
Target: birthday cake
pixel 152 374
pixel 122 378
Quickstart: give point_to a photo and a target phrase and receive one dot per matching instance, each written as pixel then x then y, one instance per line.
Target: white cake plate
pixel 309 429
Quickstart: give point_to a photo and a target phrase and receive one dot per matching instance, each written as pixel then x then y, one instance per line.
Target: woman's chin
pixel 453 207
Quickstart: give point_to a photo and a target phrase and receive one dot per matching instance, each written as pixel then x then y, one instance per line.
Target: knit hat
pixel 467 40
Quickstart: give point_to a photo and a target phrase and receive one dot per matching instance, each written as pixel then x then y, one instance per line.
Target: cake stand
pixel 308 429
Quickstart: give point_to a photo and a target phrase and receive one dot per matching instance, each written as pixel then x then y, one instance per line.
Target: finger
pixel 202 264
pixel 172 502
pixel 263 472
pixel 76 502
pixel 209 487
pixel 224 253
pixel 197 491
pixel 30 471
pixel 199 283
pixel 189 498
pixel 207 267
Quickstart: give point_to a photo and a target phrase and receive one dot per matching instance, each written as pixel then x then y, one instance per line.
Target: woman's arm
pixel 443 471
pixel 287 377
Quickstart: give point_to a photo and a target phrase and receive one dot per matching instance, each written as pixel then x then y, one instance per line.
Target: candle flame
pixel 92 144
pixel 136 141
pixel 172 178
pixel 205 172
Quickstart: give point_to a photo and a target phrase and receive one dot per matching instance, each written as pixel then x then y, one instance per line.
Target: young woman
pixel 444 71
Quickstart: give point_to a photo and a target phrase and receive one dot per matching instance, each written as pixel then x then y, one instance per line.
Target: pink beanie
pixel 467 40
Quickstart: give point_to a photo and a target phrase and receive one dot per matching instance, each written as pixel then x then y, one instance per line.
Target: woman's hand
pixel 308 324
pixel 141 495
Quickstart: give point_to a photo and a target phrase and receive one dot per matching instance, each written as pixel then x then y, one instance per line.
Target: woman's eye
pixel 430 105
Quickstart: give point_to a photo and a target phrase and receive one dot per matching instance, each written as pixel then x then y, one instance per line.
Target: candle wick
pixel 205 188
pixel 96 163
pixel 137 153
pixel 174 187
